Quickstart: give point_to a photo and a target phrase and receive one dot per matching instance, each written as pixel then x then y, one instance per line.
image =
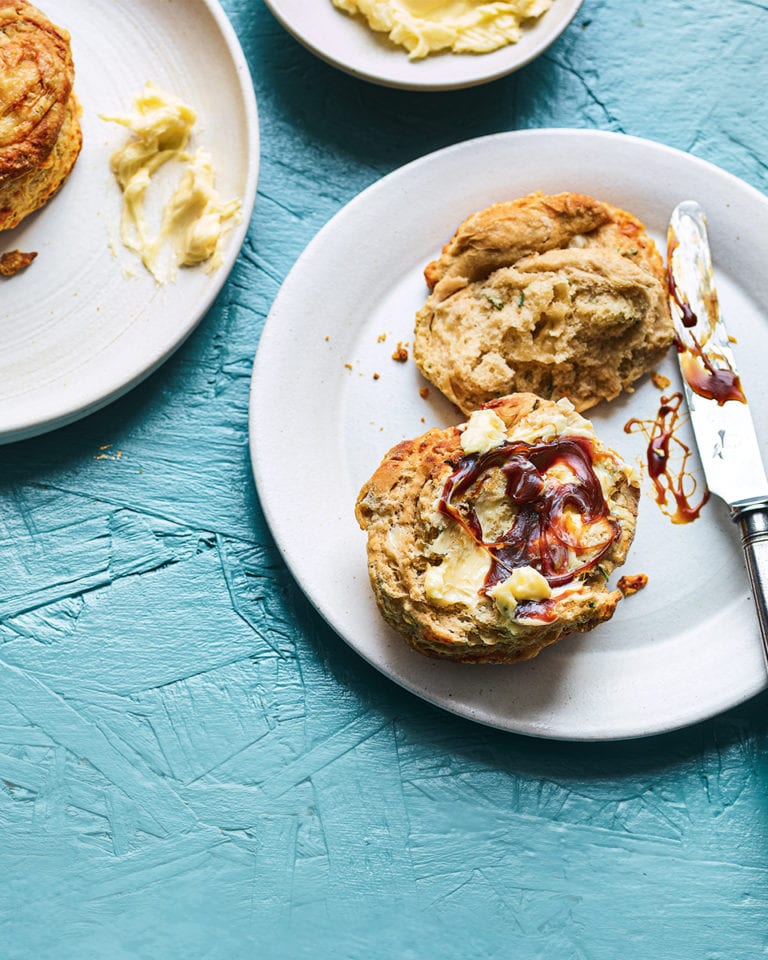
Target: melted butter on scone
pixel 194 219
pixel 461 574
pixel 607 465
pixel 524 583
pixel 467 549
pixel 484 431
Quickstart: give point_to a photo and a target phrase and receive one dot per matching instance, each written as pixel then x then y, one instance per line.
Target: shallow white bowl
pixel 347 43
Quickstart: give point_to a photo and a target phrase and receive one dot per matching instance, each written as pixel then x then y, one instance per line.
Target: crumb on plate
pixel 631 583
pixel 401 353
pixel 14 261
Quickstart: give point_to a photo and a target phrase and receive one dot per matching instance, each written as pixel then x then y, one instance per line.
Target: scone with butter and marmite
pixel 492 539
pixel 40 135
pixel 558 295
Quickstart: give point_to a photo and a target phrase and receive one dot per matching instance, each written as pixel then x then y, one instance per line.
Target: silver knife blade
pixel 720 417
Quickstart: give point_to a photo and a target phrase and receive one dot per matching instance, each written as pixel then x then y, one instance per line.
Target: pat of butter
pixel 463 26
pixel 194 220
pixel 462 573
pixel 524 583
pixel 484 431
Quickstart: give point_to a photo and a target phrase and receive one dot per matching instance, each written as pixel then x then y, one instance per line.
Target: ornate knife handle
pixel 752 517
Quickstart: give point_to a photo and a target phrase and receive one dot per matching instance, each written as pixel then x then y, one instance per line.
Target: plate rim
pixel 490 69
pixel 697 712
pixel 91 402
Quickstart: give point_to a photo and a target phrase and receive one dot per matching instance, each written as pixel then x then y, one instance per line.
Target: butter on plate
pixel 194 219
pixel 461 26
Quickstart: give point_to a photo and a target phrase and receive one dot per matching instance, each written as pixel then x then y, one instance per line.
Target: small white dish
pixel 681 650
pixel 85 322
pixel 348 43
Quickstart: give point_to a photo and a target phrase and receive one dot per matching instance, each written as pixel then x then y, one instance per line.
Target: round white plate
pixel 348 43
pixel 85 322
pixel 681 650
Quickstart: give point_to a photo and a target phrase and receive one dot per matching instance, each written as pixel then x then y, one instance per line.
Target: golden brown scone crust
pixel 40 136
pixel 398 508
pixel 14 261
pixel 561 295
pixel 24 194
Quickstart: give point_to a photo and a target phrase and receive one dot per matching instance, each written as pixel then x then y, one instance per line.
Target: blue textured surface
pixel 192 765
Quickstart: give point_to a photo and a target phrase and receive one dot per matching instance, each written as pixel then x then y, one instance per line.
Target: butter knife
pixel 720 417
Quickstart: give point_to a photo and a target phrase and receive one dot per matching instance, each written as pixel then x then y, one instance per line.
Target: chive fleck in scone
pixel 40 135
pixel 557 295
pixel 490 540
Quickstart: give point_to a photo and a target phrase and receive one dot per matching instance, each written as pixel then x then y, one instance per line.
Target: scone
pixel 558 295
pixel 490 540
pixel 40 135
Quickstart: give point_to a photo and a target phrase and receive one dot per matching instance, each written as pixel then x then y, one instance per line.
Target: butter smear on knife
pixel 462 26
pixel 194 219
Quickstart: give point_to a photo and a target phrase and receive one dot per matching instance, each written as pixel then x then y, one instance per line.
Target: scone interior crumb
pixel 557 295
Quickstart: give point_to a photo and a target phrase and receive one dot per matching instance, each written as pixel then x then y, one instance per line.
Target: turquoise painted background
pixel 192 765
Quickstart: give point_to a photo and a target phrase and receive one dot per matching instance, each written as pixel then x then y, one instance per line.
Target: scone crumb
pixel 660 381
pixel 424 393
pixel 631 583
pixel 381 338
pixel 105 454
pixel 14 261
pixel 401 353
pixel 376 376
pixel 348 366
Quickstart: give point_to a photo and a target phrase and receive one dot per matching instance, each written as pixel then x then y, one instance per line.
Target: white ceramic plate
pixel 681 650
pixel 348 43
pixel 77 329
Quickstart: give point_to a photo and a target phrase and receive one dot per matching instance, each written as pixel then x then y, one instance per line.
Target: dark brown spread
pixel 667 459
pixel 707 373
pixel 539 535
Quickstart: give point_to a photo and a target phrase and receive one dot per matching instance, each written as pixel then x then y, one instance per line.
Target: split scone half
pixel 40 134
pixel 558 295
pixel 492 539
